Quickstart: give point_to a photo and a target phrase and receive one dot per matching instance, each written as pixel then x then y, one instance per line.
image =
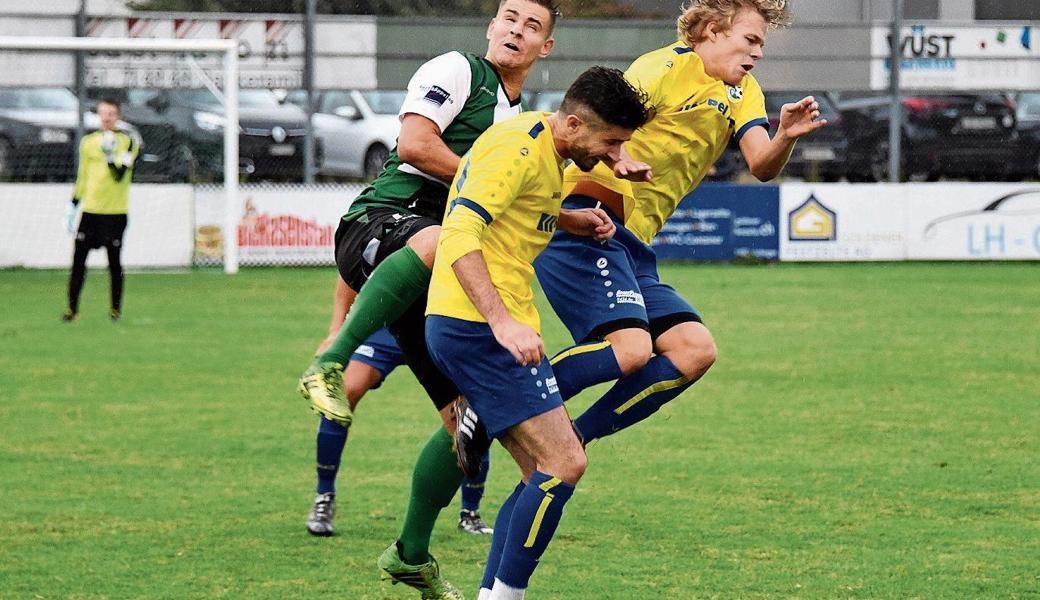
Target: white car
pixel 356 129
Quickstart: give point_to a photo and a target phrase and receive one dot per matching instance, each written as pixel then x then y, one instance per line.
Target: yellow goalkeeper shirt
pixel 505 202
pixel 102 188
pixel 696 117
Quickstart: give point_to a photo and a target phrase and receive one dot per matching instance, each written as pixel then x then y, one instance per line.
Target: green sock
pixel 435 481
pixel 394 285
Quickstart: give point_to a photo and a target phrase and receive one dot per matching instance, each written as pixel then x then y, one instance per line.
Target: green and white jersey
pixel 463 94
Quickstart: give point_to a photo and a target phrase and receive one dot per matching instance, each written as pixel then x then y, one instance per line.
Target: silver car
pixel 356 129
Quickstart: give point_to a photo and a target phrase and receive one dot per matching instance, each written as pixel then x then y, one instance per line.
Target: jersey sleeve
pixel 439 89
pixel 81 173
pixel 750 110
pixel 492 176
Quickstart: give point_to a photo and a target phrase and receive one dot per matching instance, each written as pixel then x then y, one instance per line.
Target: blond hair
pixel 698 13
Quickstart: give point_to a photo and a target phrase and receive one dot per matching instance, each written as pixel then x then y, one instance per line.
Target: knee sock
pixel 435 481
pixel 498 539
pixel 473 489
pixel 633 398
pixel 584 365
pixel 394 285
pixel 79 274
pixel 331 438
pixel 536 515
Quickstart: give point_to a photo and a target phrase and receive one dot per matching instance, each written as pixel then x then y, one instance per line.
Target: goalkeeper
pixel 106 159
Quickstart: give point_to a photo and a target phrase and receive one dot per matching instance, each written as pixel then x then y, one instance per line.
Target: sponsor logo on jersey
pixel 628 297
pixel 437 95
pixel 487 91
pixel 547 223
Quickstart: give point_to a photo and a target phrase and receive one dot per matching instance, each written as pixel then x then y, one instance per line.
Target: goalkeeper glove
pixel 70 216
pixel 108 144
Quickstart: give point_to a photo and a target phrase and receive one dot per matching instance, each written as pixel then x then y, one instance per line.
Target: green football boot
pixel 322 385
pixel 425 577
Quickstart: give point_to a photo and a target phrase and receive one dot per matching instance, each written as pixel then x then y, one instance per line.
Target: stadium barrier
pixel 294 225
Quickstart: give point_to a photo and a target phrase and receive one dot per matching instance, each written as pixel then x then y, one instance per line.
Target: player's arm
pixel 420 145
pixel 767 156
pixel 587 222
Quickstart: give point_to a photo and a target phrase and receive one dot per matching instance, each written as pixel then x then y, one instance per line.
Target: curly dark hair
pixel 606 93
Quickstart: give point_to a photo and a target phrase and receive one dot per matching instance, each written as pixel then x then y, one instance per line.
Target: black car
pixel 38 130
pixel 955 135
pixel 271 134
pixel 1027 139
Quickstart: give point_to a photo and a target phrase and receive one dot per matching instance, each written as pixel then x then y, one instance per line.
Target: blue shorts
pixel 380 352
pixel 600 287
pixel 501 391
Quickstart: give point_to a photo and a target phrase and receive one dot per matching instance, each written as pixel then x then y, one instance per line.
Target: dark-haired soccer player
pixel 386 243
pixel 482 325
pixel 106 160
pixel 610 295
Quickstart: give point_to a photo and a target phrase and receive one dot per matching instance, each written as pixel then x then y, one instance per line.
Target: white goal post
pixel 227 48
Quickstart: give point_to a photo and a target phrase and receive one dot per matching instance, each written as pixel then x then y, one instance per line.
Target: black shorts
pixel 101 230
pixel 361 244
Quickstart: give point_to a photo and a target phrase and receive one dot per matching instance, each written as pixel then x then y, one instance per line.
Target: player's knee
pixel 632 349
pixel 570 465
pixel 697 354
pixel 424 244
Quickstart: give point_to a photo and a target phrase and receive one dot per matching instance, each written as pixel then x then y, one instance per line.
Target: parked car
pixel 37 133
pixel 1027 129
pixel 356 129
pixel 270 140
pixel 955 135
pixel 821 155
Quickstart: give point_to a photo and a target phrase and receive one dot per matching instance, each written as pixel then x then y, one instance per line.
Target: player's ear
pixel 712 31
pixel 573 123
pixel 546 48
pixel 491 24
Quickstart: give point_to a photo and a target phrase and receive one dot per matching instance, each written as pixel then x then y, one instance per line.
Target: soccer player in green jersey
pixel 106 159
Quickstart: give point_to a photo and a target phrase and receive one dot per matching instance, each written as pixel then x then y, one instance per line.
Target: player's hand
pixel 520 340
pixel 70 217
pixel 801 118
pixel 588 222
pixel 632 170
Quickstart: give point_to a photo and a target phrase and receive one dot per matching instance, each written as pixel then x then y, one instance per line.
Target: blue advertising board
pixel 723 221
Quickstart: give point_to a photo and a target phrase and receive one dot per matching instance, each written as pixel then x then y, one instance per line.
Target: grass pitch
pixel 869 431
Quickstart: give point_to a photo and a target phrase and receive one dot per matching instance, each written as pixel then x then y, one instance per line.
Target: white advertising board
pixel 973 222
pixel 951 57
pixel 280 224
pixel 32 232
pixel 842 222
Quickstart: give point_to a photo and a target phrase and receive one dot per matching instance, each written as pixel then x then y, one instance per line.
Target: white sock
pixel 484 594
pixel 502 591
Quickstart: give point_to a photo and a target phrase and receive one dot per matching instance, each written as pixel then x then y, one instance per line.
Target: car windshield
pixel 246 98
pixel 385 102
pixel 1029 107
pixel 39 98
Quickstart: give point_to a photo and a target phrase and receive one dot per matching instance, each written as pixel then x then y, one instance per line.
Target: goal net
pixel 179 101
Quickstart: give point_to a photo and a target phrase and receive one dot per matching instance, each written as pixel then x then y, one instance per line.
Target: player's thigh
pixel 410 333
pixel 592 286
pixel 362 243
pixel 502 392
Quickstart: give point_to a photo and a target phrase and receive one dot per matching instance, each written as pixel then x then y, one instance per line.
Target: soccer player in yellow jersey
pixel 649 337
pixel 482 327
pixel 106 159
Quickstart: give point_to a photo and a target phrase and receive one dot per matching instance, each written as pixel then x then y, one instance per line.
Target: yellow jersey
pixel 696 117
pixel 505 202
pixel 103 189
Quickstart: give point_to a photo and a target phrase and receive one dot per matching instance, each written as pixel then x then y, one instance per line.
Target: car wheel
pixel 5 158
pixel 375 157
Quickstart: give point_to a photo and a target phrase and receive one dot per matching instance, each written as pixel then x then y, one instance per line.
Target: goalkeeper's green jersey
pixel 102 187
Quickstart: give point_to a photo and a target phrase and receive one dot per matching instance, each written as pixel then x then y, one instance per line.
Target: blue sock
pixel 498 539
pixel 331 438
pixel 473 489
pixel 633 398
pixel 584 365
pixel 536 514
